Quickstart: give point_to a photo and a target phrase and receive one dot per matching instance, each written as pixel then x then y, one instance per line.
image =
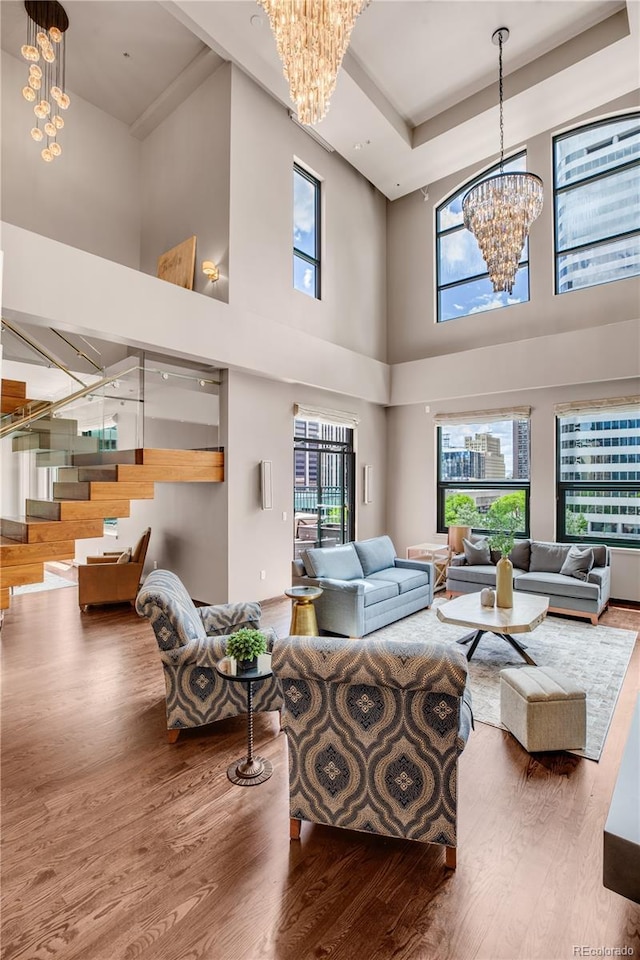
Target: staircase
pixel 91 485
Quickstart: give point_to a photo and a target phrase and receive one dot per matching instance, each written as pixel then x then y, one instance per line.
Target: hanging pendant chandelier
pixel 312 37
pixel 499 210
pixel 44 51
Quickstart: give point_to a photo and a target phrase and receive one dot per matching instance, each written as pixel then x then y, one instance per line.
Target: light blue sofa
pixel 365 585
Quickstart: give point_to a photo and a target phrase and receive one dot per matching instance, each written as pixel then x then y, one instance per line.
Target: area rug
pixel 595 657
pixel 51 582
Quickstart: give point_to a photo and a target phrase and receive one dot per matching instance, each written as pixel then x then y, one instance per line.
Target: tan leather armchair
pixel 105 580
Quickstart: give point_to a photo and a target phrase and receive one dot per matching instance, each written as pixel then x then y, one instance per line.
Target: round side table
pixel 303 615
pixel 249 770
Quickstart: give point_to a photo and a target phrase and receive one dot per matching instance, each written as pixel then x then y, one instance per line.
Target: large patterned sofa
pixel 364 584
pixel 375 729
pixel 538 570
pixel 191 640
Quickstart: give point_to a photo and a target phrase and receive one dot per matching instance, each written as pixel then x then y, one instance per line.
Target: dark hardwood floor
pixel 117 845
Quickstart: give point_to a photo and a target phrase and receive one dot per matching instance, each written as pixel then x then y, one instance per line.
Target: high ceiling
pixel 417 94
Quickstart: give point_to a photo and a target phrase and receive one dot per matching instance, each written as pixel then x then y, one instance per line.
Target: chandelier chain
pixel 501 110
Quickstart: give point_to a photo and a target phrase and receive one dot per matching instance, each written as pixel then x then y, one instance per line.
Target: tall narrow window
pixel 464 286
pixel 306 232
pixel 597 203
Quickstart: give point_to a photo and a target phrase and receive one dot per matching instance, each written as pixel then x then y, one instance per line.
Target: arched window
pixel 596 172
pixel 463 283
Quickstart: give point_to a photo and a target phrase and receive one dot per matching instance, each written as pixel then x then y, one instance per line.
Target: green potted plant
pixel 502 541
pixel 245 645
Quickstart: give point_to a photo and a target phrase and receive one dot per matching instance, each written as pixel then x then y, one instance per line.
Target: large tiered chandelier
pixel 499 210
pixel 44 51
pixel 312 37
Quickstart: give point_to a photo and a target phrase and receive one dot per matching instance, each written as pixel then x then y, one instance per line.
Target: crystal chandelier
pixel 499 210
pixel 44 51
pixel 312 37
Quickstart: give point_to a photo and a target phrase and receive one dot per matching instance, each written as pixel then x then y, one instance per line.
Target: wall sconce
pixel 210 270
pixel 266 485
pixel 367 475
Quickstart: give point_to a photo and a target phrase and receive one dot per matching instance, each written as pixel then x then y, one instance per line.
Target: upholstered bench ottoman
pixel 543 709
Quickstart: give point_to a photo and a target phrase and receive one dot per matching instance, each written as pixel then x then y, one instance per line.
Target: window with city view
pixel 463 283
pixel 597 203
pixel 323 493
pixel 306 232
pixel 483 475
pixel 599 476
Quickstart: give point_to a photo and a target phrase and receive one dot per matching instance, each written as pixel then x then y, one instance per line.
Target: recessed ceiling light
pixel 256 21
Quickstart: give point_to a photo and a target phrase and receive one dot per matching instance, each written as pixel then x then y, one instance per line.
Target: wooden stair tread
pixel 99 490
pixel 210 470
pixel 13 553
pixel 13 388
pixel 150 456
pixel 19 574
pixel 41 530
pixel 171 473
pixel 61 509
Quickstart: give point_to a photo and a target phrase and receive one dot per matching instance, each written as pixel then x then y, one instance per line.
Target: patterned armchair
pixel 191 641
pixel 375 729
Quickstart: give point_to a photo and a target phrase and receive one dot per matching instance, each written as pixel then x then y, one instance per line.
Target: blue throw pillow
pixel 376 554
pixel 335 563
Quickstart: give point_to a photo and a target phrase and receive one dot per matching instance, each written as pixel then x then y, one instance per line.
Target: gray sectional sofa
pixel 365 585
pixel 536 570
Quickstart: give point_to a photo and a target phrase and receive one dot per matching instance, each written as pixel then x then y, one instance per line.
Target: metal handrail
pixel 24 421
pixel 79 352
pixel 41 350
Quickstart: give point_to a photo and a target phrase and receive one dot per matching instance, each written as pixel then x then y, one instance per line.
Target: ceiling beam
pixel 202 66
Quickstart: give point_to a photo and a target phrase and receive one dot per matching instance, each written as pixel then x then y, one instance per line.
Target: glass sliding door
pixel 323 496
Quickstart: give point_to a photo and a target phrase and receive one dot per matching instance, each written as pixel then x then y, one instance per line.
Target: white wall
pixel 261 428
pixel 80 293
pixel 413 470
pixel 264 145
pixel 413 332
pixel 11 477
pixel 89 196
pixel 185 184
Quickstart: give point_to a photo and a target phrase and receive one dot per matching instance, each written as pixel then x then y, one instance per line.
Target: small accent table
pixel 303 615
pixel 249 770
pixel 524 616
pixel 439 554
